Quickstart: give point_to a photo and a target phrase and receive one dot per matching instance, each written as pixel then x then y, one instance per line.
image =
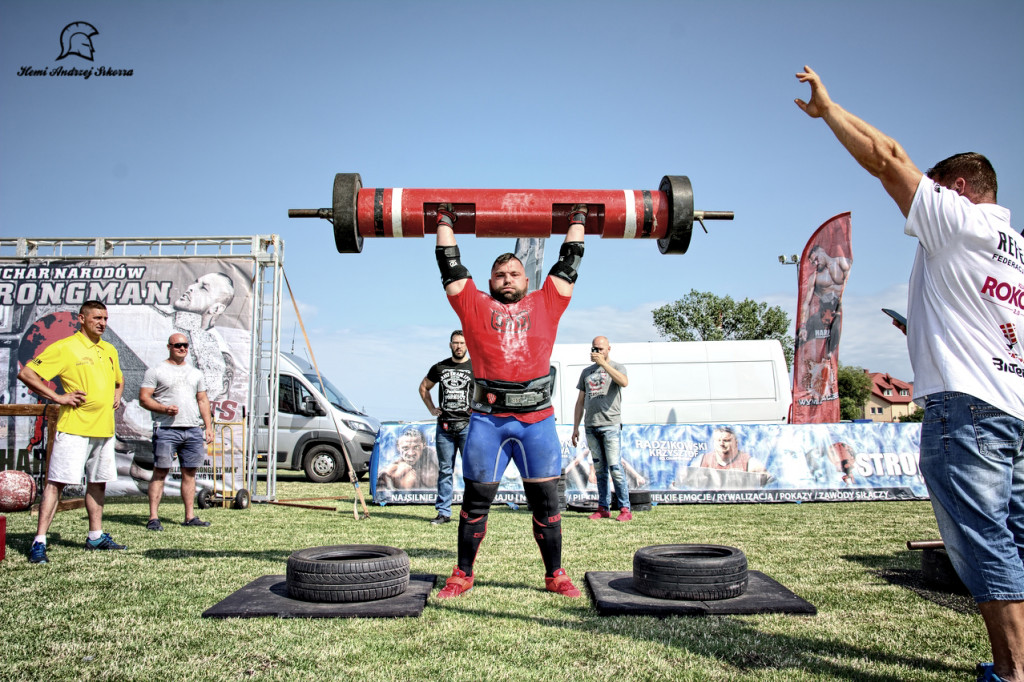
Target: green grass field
pixel 136 614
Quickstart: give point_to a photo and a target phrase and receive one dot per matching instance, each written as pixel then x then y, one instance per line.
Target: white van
pixel 309 424
pixel 685 382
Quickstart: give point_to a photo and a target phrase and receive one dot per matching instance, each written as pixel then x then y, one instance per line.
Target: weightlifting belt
pixel 491 396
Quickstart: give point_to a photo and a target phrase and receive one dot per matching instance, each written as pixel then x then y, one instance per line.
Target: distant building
pixel 890 400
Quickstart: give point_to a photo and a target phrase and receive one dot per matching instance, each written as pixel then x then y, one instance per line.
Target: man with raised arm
pixel 963 331
pixel 510 335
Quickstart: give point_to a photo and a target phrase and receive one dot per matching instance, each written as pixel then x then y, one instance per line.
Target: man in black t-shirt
pixel 454 376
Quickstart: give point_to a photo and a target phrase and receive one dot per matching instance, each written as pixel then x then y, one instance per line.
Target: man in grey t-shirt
pixel 175 392
pixel 600 397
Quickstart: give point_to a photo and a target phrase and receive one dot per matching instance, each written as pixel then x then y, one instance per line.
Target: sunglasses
pixel 178 345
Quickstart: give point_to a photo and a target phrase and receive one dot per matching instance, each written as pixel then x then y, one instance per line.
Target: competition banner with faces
pixel 209 300
pixel 692 464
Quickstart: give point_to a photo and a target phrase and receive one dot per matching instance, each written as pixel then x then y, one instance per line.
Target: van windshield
pixel 336 397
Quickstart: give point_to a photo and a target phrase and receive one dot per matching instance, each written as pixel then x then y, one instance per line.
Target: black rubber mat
pixel 614 595
pixel 268 596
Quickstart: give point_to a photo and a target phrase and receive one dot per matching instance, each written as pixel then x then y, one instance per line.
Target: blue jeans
pixel 603 442
pixel 446 443
pixel 972 464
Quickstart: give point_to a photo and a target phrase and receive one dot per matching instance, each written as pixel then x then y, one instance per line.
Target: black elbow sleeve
pixel 450 264
pixel 569 257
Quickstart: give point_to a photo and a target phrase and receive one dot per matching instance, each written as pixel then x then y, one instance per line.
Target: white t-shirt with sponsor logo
pixel 965 311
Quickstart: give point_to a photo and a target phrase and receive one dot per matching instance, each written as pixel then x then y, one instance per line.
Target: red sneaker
pixel 559 583
pixel 601 513
pixel 456 585
pixel 624 515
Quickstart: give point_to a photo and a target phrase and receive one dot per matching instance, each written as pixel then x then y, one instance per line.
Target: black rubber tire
pixel 242 499
pixel 692 572
pixel 639 500
pixel 586 507
pixel 680 215
pixel 347 573
pixel 204 498
pixel 639 497
pixel 323 464
pixel 344 214
pixel 938 573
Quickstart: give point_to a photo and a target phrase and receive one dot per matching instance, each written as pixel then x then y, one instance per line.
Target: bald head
pixel 177 348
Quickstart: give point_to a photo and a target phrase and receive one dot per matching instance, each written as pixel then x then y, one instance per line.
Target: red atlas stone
pixel 17 491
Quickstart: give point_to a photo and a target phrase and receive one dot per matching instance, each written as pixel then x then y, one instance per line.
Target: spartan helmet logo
pixel 76 38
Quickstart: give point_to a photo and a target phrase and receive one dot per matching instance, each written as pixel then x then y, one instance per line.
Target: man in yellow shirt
pixel 91 377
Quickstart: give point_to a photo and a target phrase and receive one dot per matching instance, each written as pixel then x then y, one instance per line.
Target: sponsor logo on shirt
pixel 1004 292
pixel 1010 336
pixel 1008 367
pixel 1010 247
pixel 505 323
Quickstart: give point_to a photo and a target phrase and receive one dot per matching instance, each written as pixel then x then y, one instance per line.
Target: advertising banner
pixel 824 269
pixel 692 463
pixel 148 299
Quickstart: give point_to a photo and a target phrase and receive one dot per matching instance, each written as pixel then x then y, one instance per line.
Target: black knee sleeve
pixel 476 502
pixel 543 499
pixel 477 498
pixel 547 522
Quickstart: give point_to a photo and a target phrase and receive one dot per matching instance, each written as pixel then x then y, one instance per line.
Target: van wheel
pixel 324 464
pixel 691 572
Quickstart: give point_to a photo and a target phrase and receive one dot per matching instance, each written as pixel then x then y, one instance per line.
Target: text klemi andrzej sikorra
pixel 75 73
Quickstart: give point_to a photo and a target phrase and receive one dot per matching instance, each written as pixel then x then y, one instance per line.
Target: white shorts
pixel 74 456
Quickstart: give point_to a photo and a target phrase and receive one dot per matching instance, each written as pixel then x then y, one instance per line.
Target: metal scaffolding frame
pixel 267 255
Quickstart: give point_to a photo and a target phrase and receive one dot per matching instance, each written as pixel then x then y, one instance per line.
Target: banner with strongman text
pixel 209 300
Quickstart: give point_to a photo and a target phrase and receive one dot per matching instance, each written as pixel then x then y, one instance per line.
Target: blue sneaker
pixel 985 673
pixel 37 555
pixel 103 542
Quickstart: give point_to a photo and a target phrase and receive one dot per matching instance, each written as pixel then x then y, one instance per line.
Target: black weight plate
pixel 680 215
pixel 346 229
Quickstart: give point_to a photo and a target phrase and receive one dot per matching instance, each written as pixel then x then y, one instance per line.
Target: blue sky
pixel 239 110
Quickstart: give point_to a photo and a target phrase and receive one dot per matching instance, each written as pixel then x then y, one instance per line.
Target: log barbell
pixel 358 212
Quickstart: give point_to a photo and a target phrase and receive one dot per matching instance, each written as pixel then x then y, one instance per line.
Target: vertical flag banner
pixel 530 252
pixel 824 269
